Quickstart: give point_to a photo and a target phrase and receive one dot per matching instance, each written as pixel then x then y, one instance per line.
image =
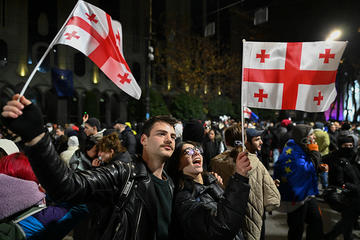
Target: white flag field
pixel 291 76
pixel 93 32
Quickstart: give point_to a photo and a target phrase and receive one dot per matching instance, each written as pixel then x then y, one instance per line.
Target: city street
pixel 276 226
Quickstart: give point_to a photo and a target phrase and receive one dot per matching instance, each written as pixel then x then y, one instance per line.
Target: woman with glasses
pixel 201 208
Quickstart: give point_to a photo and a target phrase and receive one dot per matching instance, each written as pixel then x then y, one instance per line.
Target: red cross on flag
pixel 291 76
pixel 92 31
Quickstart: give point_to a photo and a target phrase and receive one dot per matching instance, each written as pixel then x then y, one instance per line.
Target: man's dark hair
pixel 161 118
pixel 94 122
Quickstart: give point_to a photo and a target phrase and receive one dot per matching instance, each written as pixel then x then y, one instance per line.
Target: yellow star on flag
pixel 288 161
pixel 288 151
pixel 288 170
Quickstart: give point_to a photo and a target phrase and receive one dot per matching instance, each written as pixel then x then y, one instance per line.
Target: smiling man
pixel 146 210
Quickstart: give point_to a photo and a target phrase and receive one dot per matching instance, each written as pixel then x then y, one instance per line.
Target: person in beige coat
pixel 264 195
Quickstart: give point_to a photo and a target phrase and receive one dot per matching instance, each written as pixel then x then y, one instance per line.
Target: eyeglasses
pixel 191 151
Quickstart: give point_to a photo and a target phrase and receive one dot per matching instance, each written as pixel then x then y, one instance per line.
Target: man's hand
pixel 277 182
pixel 242 164
pixel 13 108
pixel 85 118
pixel 23 118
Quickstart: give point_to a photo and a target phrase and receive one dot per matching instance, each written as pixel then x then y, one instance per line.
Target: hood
pixel 17 194
pixel 299 133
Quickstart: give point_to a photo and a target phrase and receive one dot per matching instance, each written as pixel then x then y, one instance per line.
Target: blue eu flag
pixel 62 82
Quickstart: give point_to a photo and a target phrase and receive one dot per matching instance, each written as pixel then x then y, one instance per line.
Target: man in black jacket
pixel 142 215
pixel 345 175
pixel 126 135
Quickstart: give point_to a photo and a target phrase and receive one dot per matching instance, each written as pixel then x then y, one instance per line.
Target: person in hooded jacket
pixel 297 169
pixel 202 209
pixel 73 145
pixel 344 174
pixel 82 160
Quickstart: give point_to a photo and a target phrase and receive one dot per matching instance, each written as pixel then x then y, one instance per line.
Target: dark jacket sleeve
pixel 201 222
pixel 131 142
pixel 64 184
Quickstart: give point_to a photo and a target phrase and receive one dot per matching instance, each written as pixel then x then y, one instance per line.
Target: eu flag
pixel 62 82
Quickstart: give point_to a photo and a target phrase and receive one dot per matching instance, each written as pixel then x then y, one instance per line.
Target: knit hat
pixel 26 195
pixel 300 132
pixel 8 146
pixel 94 122
pixel 193 131
pixel 344 137
pixel 73 141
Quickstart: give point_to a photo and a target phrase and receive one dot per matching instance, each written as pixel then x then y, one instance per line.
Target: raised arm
pixel 61 183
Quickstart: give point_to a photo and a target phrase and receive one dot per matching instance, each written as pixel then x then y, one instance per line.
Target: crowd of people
pixel 173 179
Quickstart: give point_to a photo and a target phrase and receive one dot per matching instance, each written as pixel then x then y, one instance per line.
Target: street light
pixel 334 35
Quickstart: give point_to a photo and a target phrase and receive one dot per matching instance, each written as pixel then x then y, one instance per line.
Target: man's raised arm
pixel 24 118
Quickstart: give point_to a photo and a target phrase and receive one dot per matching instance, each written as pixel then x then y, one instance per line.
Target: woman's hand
pixel 242 166
pixel 218 178
pixel 96 162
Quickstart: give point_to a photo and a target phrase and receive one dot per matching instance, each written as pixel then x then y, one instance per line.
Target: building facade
pixel 27 29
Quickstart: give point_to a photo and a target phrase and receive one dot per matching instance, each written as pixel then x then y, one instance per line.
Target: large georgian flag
pixel 92 31
pixel 291 76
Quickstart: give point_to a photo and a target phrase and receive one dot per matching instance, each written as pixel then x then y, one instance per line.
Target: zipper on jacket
pixel 138 221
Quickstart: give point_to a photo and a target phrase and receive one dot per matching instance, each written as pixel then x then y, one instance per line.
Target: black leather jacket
pixel 208 212
pixel 103 185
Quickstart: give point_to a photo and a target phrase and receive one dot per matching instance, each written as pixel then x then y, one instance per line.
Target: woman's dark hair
pixel 172 166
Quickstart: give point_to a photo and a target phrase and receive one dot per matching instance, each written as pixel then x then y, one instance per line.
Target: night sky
pixel 313 20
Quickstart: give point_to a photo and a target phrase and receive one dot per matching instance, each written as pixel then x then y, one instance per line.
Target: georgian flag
pixel 92 31
pixel 291 76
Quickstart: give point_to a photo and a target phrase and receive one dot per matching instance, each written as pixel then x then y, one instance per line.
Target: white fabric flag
pixel 291 76
pixel 92 31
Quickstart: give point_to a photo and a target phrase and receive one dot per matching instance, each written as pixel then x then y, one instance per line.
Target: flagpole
pixel 242 102
pixel 46 52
